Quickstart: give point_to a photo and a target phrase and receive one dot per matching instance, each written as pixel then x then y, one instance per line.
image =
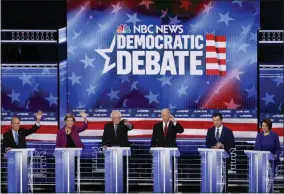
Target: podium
pixel 18 169
pixel 213 171
pixel 164 169
pixel 114 169
pixel 261 173
pixel 65 169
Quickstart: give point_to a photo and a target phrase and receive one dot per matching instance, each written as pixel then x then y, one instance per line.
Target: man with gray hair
pixel 116 132
pixel 16 136
pixel 164 133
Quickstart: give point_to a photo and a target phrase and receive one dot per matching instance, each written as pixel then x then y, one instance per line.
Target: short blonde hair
pixel 69 115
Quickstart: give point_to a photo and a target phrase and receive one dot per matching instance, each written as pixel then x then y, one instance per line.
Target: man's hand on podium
pixel 104 147
pixel 220 145
pixel 8 149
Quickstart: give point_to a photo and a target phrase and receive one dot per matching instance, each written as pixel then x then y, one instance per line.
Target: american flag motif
pixel 215 55
pixel 192 99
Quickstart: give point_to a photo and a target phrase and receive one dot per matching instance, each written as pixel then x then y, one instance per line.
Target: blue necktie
pixel 217 135
pixel 17 137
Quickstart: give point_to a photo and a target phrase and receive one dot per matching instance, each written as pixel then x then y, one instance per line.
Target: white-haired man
pixel 116 132
pixel 164 133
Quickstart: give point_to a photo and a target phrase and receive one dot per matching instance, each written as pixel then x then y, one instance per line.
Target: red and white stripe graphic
pixel 194 128
pixel 215 55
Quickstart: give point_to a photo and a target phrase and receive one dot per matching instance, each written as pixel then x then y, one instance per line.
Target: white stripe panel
pixel 217 44
pixel 52 137
pixel 222 67
pixel 212 66
pixel 53 123
pixel 225 120
pixel 213 55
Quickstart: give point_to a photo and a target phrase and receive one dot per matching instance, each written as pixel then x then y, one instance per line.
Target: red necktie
pixel 166 130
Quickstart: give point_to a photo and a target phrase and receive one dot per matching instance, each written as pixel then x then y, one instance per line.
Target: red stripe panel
pixel 222 61
pixel 214 49
pixel 212 72
pixel 186 124
pixel 210 37
pixel 210 49
pixel 211 60
pixel 220 38
pixel 221 50
pixel 223 73
pixel 51 129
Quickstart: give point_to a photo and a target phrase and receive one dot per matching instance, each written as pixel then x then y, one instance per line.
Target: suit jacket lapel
pixel 12 137
pixel 222 133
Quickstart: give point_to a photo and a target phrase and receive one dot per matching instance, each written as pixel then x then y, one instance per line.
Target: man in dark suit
pixel 16 137
pixel 116 134
pixel 164 133
pixel 220 137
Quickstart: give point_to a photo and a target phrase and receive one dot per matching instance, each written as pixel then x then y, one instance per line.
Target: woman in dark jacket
pixel 268 141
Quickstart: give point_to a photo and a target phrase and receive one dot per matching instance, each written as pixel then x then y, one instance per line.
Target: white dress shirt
pixel 220 131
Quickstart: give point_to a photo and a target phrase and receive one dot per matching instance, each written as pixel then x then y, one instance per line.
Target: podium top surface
pixel 119 148
pixel 68 149
pixel 163 148
pixel 22 150
pixel 210 150
pixel 256 152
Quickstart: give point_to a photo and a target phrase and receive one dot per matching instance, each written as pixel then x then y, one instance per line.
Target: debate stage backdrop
pixel 194 57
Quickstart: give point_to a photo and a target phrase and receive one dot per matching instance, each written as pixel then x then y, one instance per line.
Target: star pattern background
pixel 97 22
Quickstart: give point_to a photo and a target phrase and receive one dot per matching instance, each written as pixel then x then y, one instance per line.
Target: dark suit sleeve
pixel 230 141
pixel 5 143
pixel 207 143
pixel 58 139
pixel 179 128
pixel 154 137
pixel 277 146
pixel 105 136
pixel 128 128
pixel 31 130
pixel 257 143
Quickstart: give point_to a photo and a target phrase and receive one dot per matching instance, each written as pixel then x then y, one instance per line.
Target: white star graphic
pixel 164 13
pixel 87 62
pixel 71 49
pixel 26 79
pixel 231 104
pixel 116 8
pixel 236 74
pixel 152 97
pixel 174 21
pixel 113 94
pixel 207 8
pixel 35 88
pixel 102 52
pixel 76 35
pixel 225 18
pixel 253 36
pixel 245 30
pixel 238 2
pixel 182 91
pixel 75 79
pixel 91 89
pixel 52 100
pixel 147 3
pixel 243 47
pixel 165 80
pixel 14 96
pixel 133 19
